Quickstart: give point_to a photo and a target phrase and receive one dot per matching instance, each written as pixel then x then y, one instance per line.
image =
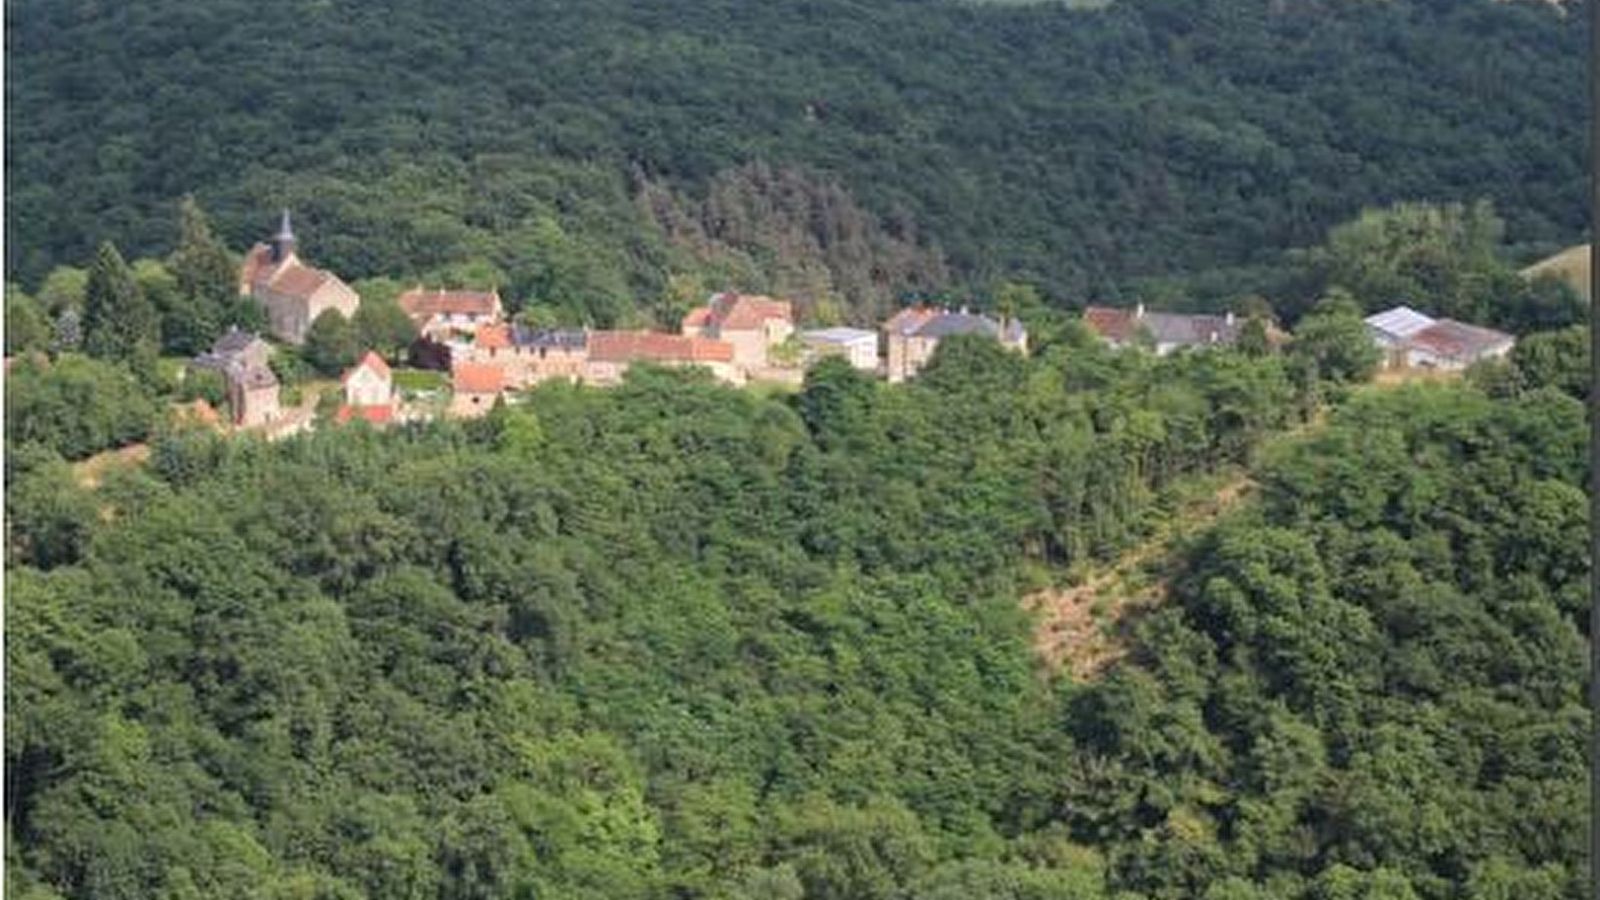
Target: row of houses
pixel 1408 339
pixel 738 338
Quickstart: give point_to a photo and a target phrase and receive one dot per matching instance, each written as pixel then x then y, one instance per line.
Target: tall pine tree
pixel 207 274
pixel 119 323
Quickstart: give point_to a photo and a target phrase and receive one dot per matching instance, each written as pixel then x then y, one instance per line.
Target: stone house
pixel 912 335
pixel 292 293
pixel 610 353
pixel 242 359
pixel 475 388
pixel 752 325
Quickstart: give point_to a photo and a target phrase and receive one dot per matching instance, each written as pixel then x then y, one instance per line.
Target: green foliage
pixel 587 149
pixel 207 284
pixel 1332 343
pixel 75 406
pixel 26 327
pixel 1557 359
pixel 204 384
pixel 119 321
pixel 381 325
pixel 332 343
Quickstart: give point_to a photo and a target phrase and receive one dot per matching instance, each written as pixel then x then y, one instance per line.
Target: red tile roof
pixel 1110 323
pixel 424 304
pixel 653 346
pixel 377 415
pixel 697 317
pixel 370 361
pixel 493 337
pixel 477 378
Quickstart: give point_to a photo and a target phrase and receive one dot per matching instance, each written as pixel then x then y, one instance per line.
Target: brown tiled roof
pixel 1458 340
pixel 370 361
pixel 422 304
pixel 477 378
pixel 653 346
pixel 1109 322
pixel 256 262
pixel 739 312
pixel 296 279
pixel 697 317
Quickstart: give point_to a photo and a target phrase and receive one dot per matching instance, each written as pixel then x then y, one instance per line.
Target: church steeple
pixel 283 241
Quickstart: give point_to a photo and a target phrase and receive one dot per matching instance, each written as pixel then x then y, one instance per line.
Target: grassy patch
pixel 420 380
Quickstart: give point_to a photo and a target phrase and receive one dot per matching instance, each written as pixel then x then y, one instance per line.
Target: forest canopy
pixel 678 640
pixel 584 153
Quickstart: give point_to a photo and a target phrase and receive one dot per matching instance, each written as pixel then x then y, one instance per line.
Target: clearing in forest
pixel 1082 628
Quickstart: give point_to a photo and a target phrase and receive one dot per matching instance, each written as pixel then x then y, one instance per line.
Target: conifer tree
pixel 206 273
pixel 118 320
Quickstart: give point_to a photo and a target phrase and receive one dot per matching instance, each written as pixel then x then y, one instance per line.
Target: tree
pixel 382 326
pixel 1558 359
pixel 119 322
pixel 207 274
pixel 66 333
pixel 26 327
pixel 63 289
pixel 331 343
pixel 1332 342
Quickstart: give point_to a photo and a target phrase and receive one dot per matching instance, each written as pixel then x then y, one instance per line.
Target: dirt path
pixel 1082 628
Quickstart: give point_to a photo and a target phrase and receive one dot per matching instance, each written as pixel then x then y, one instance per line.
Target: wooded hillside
pixel 675 640
pixel 579 153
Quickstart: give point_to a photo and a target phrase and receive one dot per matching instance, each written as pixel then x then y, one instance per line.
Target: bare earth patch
pixel 1083 629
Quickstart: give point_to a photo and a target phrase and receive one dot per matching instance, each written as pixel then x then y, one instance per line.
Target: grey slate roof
pixel 563 338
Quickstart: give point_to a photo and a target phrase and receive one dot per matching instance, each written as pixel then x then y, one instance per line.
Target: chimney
pixel 1138 311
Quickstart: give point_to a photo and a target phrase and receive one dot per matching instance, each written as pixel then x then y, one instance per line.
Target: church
pixel 292 293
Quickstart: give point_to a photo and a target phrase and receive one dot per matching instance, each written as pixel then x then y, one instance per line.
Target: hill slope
pixel 1078 148
pixel 1572 265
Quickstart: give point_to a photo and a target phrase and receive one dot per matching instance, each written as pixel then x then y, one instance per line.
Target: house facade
pixel 292 293
pixel 441 314
pixel 475 387
pixel 242 359
pixel 526 356
pixel 912 335
pixel 252 395
pixel 751 325
pixel 611 353
pixel 368 391
pixel 857 346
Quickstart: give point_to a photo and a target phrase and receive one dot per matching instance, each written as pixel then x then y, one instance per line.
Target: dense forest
pixel 586 154
pixel 675 641
pixel 678 640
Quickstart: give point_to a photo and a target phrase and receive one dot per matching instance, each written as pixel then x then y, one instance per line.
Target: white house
pixel 858 346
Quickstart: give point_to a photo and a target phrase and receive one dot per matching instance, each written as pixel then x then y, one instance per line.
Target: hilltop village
pixel 740 339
